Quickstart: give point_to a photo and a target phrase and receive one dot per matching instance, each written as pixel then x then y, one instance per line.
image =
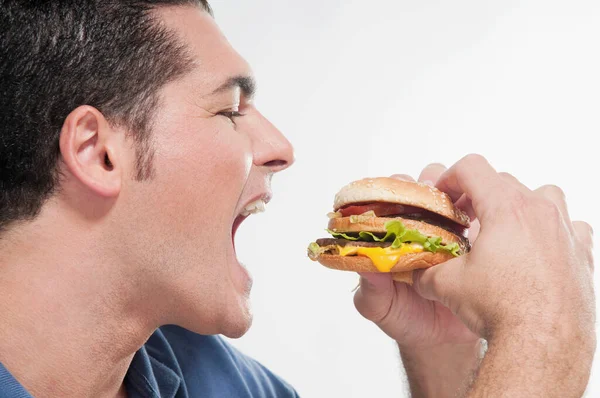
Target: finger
pixel 473 231
pixel 585 236
pixel 403 177
pixel 465 204
pixel 584 233
pixel 474 177
pixel 441 283
pixel 512 180
pixel 434 283
pixel 432 173
pixel 445 283
pixel 556 195
pixel 375 296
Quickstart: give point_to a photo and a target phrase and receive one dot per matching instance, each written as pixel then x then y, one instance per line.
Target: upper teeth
pixel 254 207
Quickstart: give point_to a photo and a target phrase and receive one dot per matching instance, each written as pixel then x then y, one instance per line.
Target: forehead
pixel 214 57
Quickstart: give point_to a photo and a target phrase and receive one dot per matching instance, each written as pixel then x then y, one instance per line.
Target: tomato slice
pixel 392 209
pixel 380 209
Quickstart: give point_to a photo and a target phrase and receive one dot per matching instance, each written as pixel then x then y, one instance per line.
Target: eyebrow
pixel 246 83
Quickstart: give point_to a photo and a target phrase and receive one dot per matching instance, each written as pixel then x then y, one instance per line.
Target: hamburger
pixel 393 226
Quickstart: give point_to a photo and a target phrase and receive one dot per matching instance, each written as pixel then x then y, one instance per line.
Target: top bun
pixel 392 190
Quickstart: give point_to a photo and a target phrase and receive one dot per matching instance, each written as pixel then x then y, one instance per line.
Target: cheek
pixel 203 174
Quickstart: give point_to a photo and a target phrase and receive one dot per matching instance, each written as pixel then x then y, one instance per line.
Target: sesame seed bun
pixel 391 190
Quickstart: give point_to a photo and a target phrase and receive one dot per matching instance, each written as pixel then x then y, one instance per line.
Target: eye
pixel 231 115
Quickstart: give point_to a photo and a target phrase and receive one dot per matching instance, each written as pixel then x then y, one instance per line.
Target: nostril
pixel 276 164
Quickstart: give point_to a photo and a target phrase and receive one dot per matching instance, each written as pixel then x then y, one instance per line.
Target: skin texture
pixel 118 258
pixel 529 302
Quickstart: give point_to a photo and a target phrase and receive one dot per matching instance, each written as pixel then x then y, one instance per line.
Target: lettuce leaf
pixel 453 248
pixel 398 235
pixel 370 237
pixel 314 250
pixel 341 235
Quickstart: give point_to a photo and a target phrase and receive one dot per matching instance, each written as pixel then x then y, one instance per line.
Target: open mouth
pixel 236 224
pixel 255 207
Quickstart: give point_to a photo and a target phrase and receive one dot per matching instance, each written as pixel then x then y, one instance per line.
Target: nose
pixel 271 148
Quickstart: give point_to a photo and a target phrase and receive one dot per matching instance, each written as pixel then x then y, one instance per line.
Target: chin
pixel 231 317
pixel 238 319
pixel 237 329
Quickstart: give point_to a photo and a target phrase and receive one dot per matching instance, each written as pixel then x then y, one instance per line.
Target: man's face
pixel 208 168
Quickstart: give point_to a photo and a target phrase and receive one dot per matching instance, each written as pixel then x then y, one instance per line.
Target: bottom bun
pixel 402 270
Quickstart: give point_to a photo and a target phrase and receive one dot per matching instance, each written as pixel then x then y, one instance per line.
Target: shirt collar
pixel 146 376
pixel 150 377
pixel 10 387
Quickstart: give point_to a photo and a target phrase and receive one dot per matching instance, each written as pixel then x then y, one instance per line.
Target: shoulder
pixel 211 366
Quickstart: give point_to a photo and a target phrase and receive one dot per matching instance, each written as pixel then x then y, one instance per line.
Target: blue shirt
pixel 176 363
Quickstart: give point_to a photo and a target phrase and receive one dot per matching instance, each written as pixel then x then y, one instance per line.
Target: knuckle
pixel 517 202
pixel 509 178
pixel 403 177
pixel 374 313
pixel 553 190
pixel 435 165
pixel 546 212
pixel 541 205
pixel 436 285
pixel 590 259
pixel 532 208
pixel 585 226
pixel 473 160
pixel 548 209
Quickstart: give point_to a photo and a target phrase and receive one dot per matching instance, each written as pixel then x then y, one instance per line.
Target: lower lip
pixel 236 224
pixel 245 280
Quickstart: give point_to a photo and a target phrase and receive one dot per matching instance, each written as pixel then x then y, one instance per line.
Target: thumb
pixel 375 296
pixel 448 284
pixel 442 283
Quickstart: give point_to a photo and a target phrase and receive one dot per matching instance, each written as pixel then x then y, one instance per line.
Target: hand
pixel 408 318
pixel 526 286
pixel 531 266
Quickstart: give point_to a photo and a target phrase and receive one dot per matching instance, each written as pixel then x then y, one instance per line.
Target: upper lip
pixel 265 197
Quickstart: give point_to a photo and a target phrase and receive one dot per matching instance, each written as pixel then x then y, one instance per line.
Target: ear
pixel 90 148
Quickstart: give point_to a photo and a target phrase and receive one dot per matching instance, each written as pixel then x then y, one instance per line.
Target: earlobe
pixel 90 147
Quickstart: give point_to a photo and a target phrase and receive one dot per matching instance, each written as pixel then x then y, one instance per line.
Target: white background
pixel 370 88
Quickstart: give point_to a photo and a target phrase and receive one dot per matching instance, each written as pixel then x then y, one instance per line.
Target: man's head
pixel 119 124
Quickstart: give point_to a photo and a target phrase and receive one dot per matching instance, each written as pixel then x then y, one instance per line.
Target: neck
pixel 71 317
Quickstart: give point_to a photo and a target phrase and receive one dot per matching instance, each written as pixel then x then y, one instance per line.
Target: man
pixel 130 152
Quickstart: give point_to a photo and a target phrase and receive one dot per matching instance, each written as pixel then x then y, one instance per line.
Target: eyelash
pixel 231 115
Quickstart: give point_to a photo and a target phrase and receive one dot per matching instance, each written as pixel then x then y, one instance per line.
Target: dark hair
pixel 56 55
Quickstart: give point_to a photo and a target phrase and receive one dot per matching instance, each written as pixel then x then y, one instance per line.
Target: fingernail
pixel 428 182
